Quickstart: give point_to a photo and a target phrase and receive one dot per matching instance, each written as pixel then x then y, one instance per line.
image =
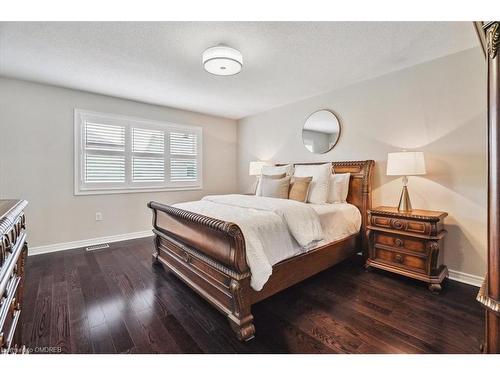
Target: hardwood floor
pixel 115 301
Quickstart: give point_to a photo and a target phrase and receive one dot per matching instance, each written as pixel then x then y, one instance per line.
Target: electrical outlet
pixel 98 216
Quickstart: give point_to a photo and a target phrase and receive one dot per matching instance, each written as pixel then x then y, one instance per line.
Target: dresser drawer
pixel 402 260
pixel 400 242
pixel 413 226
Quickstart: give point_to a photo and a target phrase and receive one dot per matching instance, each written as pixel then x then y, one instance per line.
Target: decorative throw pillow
pixel 273 170
pixel 258 192
pixel 275 188
pixel 299 187
pixel 339 187
pixel 318 189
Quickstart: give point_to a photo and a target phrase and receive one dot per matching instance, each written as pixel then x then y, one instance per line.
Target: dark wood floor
pixel 113 300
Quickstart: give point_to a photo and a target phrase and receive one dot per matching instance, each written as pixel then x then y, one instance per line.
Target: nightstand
pixel 408 243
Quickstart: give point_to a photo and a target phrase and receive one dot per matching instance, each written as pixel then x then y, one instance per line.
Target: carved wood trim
pixel 215 224
pixel 492 38
pixel 406 215
pixel 485 300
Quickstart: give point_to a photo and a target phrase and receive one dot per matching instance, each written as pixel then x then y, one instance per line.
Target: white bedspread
pixel 274 229
pixel 303 222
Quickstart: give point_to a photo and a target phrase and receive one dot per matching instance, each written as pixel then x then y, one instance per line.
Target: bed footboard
pixel 208 255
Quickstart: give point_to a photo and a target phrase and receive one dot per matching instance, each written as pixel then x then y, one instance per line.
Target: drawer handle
pixel 398 258
pixel 399 242
pixel 398 224
pixel 186 257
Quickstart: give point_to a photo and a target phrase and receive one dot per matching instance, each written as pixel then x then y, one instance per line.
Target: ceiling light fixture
pixel 222 60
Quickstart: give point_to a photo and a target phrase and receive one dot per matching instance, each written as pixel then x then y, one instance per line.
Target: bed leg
pixel 243 328
pixel 154 256
pixel 241 318
pixel 154 259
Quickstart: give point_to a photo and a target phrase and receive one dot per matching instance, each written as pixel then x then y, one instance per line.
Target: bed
pixel 210 254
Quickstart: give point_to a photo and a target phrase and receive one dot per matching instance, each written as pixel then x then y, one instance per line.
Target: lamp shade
pixel 255 168
pixel 405 163
pixel 222 60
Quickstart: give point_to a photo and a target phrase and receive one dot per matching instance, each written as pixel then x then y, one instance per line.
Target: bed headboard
pixel 360 189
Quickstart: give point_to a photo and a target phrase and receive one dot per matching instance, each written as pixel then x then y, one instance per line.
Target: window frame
pixel 82 116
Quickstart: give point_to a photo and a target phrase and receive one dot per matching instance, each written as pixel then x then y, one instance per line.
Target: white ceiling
pixel 160 63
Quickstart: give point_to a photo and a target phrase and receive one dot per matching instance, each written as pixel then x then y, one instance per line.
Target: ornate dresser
pixel 408 244
pixel 13 252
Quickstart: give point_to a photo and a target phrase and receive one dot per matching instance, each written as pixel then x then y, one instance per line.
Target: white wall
pixel 36 162
pixel 438 107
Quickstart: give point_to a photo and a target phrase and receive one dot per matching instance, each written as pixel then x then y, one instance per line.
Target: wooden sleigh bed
pixel 209 254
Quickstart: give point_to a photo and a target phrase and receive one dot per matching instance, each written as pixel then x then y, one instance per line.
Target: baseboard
pixel 466 278
pixel 84 243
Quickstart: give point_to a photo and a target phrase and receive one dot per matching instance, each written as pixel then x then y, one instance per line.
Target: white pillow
pixel 318 189
pixel 273 170
pixel 258 191
pixel 339 187
pixel 270 170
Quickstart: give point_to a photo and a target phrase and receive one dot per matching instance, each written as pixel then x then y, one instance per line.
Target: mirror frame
pixel 338 138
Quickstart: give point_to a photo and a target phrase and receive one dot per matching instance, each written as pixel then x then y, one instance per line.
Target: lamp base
pixel 404 201
pixel 256 185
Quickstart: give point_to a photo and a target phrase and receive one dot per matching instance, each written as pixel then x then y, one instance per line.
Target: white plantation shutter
pixel 104 137
pixel 183 144
pixel 148 169
pixel 104 168
pixel 148 159
pixel 105 156
pixel 183 152
pixel 116 154
pixel 148 141
pixel 183 170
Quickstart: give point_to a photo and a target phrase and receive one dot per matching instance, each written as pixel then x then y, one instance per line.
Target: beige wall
pixel 438 107
pixel 36 162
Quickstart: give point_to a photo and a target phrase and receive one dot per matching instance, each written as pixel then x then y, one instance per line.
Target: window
pixel 116 154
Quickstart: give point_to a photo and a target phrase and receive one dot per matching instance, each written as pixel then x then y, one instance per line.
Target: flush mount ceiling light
pixel 222 60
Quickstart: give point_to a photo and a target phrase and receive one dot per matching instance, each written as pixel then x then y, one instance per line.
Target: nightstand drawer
pixel 405 225
pixel 400 242
pixel 398 259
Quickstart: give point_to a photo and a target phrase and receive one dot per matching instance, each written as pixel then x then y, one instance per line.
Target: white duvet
pixel 275 229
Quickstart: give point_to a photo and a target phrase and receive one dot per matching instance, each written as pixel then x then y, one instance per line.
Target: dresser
pixel 13 252
pixel 408 243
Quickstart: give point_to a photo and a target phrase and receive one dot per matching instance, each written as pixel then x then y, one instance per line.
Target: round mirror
pixel 321 131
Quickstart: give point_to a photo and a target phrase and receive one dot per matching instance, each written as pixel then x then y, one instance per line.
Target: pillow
pixel 339 187
pixel 275 188
pixel 273 170
pixel 269 170
pixel 318 189
pixel 299 187
pixel 275 176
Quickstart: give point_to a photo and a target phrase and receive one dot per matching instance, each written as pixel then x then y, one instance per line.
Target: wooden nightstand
pixel 408 244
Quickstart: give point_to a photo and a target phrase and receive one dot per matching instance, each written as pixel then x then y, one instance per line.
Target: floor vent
pixel 97 247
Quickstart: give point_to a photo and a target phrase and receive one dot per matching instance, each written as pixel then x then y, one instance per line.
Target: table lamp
pixel 405 164
pixel 255 169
